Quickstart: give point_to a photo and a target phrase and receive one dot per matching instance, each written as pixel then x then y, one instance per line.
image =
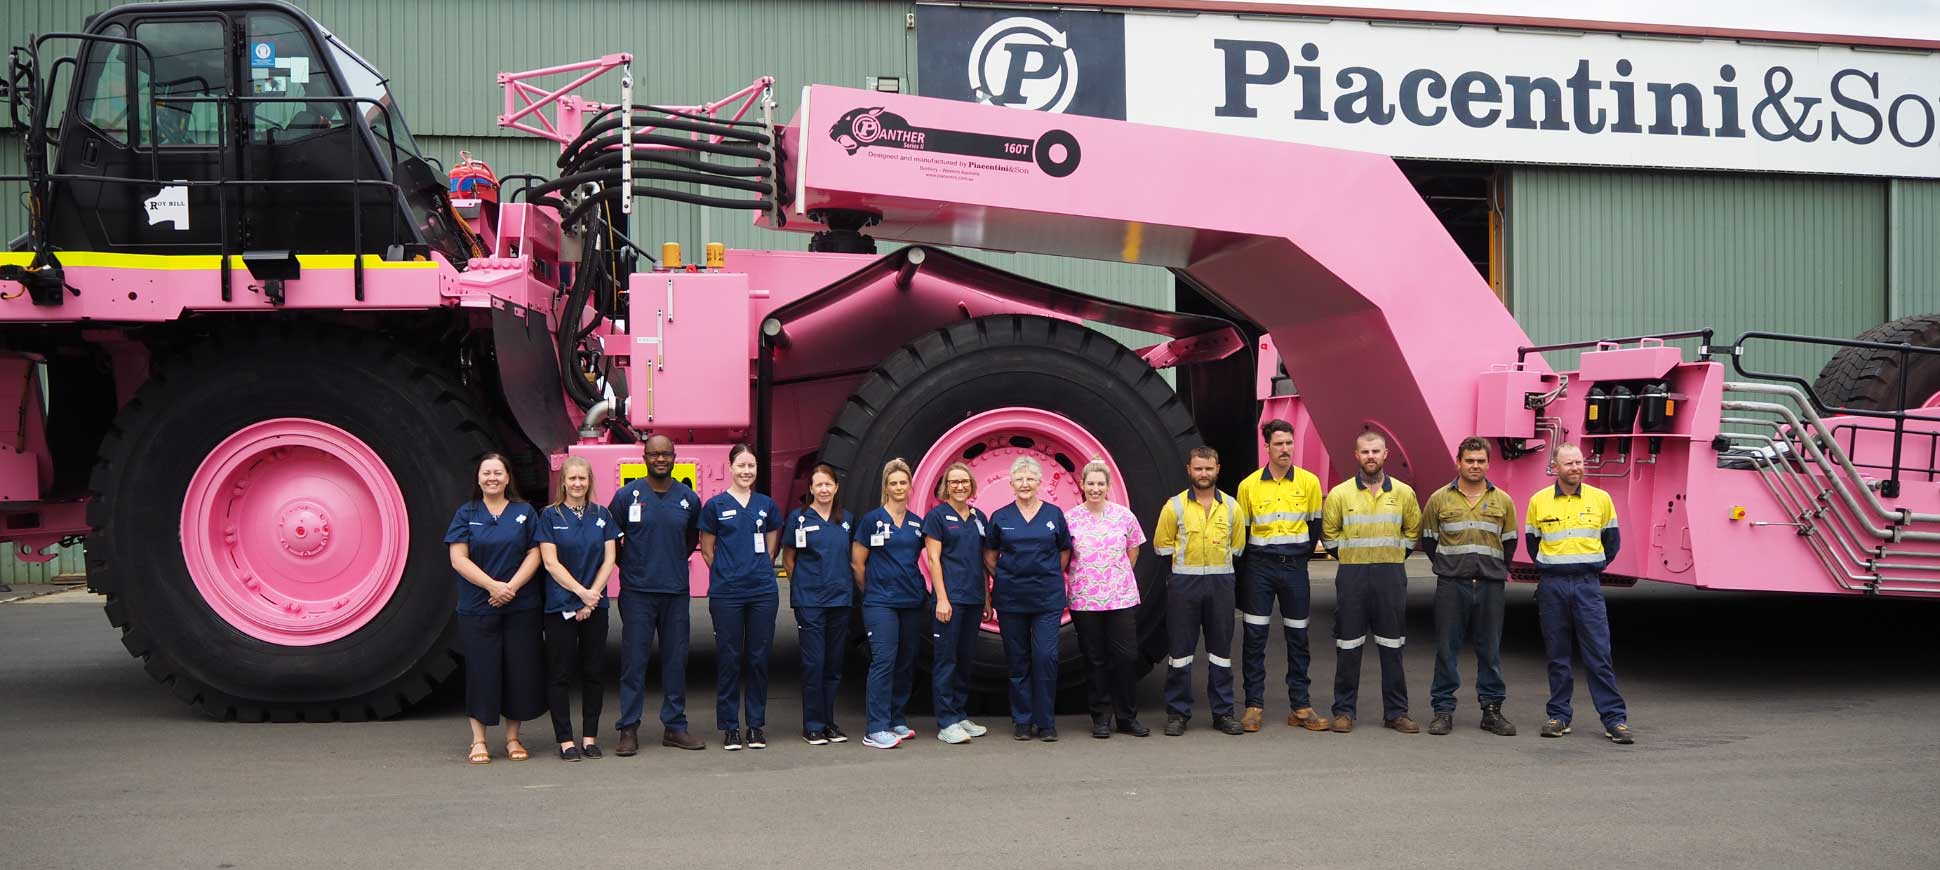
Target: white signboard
pixel 1463 92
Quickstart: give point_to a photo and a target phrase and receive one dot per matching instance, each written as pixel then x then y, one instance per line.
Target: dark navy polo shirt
pixel 1029 578
pixel 962 554
pixel 581 542
pixel 653 549
pixel 743 569
pixel 823 577
pixel 890 575
pixel 497 546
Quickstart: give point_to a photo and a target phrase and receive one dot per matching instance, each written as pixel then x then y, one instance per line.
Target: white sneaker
pixel 972 728
pixel 953 735
pixel 881 740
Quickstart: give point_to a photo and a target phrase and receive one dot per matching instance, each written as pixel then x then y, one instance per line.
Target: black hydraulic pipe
pixel 612 140
pixel 612 176
pixel 655 155
pixel 611 194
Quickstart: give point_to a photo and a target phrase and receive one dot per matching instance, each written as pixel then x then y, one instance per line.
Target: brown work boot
pixel 681 740
pixel 1251 721
pixel 629 743
pixel 1305 717
pixel 1404 724
pixel 1343 724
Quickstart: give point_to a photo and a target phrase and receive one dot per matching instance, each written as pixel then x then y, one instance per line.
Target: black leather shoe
pixel 1022 732
pixel 1441 724
pixel 568 753
pixel 1228 725
pixel 591 750
pixel 1101 727
pixel 1048 735
pixel 1133 727
pixel 1175 726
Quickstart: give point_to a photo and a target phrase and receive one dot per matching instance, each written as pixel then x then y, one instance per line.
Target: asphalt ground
pixel 1773 731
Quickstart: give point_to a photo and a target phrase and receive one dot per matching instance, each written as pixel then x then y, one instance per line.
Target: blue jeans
pixel 1574 620
pixel 1031 649
pixel 743 633
pixel 824 633
pixel 953 650
pixel 641 614
pixel 1468 612
pixel 1268 579
pixel 893 637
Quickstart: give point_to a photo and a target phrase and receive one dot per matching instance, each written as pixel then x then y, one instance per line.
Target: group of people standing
pixel 532 608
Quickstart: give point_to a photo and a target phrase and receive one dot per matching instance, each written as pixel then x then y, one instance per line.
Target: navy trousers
pixel 824 636
pixel 1031 650
pixel 953 648
pixel 641 615
pixel 1370 596
pixel 1269 579
pixel 1573 618
pixel 505 665
pixel 1468 612
pixel 743 633
pixel 1196 604
pixel 893 640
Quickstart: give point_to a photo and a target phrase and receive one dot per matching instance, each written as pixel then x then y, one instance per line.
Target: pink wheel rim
pixel 294 532
pixel 989 442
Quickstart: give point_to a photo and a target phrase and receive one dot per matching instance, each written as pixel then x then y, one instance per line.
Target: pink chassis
pixel 1330 252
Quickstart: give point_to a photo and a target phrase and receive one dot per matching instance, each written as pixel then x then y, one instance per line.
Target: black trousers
pixel 1370 597
pixel 1109 639
pixel 575 653
pixel 505 665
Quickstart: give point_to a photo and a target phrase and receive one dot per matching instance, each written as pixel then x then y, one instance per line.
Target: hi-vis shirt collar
pixel 1561 494
pixel 1387 482
pixel 1457 485
pixel 1266 472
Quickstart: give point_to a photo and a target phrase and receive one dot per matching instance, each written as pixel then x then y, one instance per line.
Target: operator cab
pixel 296 139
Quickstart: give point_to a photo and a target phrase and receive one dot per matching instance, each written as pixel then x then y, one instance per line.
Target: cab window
pixel 104 87
pixel 283 65
pixel 188 69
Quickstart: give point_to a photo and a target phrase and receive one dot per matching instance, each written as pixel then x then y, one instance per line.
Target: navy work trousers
pixel 1370 596
pixel 1468 612
pixel 1573 618
pixel 953 649
pixel 1031 650
pixel 824 636
pixel 641 615
pixel 1268 579
pixel 505 665
pixel 1198 604
pixel 743 633
pixel 893 639
pixel 575 653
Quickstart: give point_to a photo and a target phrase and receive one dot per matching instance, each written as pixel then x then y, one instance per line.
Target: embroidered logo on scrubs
pixel 845 525
pixel 762 515
pixel 1051 524
pixel 683 504
pixel 476 523
pixel 522 518
pixel 601 522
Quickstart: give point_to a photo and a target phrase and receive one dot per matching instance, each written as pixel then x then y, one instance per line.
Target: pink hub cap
pixel 989 442
pixel 294 532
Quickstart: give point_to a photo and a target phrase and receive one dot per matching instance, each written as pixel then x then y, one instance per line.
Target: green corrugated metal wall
pixel 1916 220
pixel 1611 253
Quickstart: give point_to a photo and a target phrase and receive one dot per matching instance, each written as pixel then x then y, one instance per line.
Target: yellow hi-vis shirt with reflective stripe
pixel 1569 528
pixel 1200 540
pixel 1282 512
pixel 1470 540
pixel 1363 526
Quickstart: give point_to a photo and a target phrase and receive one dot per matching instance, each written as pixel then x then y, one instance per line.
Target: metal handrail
pixel 1704 351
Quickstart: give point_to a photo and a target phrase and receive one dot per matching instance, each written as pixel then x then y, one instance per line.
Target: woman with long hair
pixel 739 531
pixel 1103 592
pixel 1027 552
pixel 821 588
pixel 887 544
pixel 953 533
pixel 492 554
pixel 576 538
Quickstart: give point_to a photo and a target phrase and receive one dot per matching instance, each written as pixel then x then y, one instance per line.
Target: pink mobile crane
pixel 252 344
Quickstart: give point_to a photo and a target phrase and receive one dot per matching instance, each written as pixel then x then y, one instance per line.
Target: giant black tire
pixel 416 417
pixel 929 385
pixel 1869 379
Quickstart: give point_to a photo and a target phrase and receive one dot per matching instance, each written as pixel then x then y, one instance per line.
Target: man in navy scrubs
pixel 658 518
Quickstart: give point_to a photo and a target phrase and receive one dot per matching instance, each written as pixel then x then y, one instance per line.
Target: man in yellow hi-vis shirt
pixel 1371 524
pixel 1200 530
pixel 1282 503
pixel 1572 531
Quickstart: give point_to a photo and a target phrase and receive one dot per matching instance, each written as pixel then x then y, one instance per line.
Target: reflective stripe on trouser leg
pixel 1183 595
pixel 1388 614
pixel 1257 616
pixel 1353 587
pixel 1216 615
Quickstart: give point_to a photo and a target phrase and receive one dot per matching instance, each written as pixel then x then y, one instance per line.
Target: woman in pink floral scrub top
pixel 1105 538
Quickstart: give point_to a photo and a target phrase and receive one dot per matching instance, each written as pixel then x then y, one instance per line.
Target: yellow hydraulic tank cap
pixel 670 255
pixel 716 255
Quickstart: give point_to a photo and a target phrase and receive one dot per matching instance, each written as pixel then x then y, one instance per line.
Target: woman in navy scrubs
pixel 493 556
pixel 739 531
pixel 576 538
pixel 1027 552
pixel 821 588
pixel 953 534
pixel 887 544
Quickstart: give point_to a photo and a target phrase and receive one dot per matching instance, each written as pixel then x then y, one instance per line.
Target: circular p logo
pixel 1023 63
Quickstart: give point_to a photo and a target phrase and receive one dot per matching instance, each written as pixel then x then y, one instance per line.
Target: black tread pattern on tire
pixel 998 336
pixel 1867 378
pixel 446 401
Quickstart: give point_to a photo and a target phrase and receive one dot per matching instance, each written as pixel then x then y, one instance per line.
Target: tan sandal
pixel 515 751
pixel 480 755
